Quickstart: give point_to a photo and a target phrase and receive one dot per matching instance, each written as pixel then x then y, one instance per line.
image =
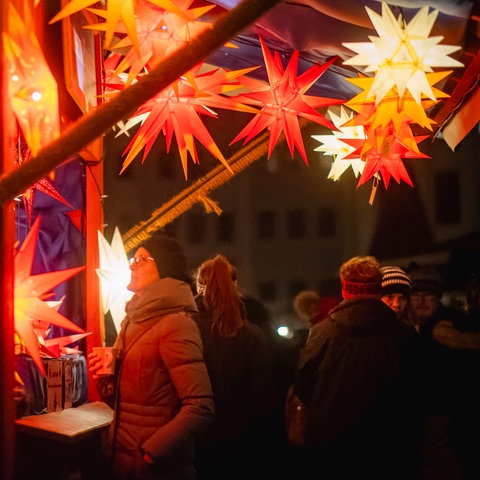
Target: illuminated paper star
pixel 160 33
pixel 384 156
pixel 114 275
pixel 116 11
pixel 333 145
pixel 31 291
pixel 32 89
pixel 283 101
pixel 62 342
pixel 177 109
pixel 393 107
pixel 402 54
pixel 44 185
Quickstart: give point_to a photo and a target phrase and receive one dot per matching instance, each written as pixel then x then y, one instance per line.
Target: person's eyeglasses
pixel 422 296
pixel 139 260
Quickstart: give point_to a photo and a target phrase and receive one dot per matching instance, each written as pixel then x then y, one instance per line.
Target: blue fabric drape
pixel 60 244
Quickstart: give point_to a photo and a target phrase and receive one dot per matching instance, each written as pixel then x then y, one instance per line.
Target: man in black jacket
pixel 350 378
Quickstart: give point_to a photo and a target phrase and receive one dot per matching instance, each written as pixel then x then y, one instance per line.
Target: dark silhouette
pixel 350 378
pixel 237 358
pixel 460 339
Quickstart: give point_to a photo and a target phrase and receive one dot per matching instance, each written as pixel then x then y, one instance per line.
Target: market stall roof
pixel 319 29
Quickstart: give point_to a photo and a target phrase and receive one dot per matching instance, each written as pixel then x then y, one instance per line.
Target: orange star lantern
pixel 31 291
pixel 160 32
pixel 32 89
pixel 115 11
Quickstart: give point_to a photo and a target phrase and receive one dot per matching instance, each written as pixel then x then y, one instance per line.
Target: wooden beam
pixel 7 238
pixel 93 125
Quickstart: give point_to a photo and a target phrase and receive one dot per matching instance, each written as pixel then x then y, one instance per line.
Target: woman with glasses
pixel 162 393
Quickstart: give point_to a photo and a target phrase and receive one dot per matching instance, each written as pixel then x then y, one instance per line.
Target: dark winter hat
pixel 426 279
pixel 168 256
pixel 395 280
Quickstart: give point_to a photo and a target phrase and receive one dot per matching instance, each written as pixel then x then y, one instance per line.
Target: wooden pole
pixel 7 238
pixel 95 124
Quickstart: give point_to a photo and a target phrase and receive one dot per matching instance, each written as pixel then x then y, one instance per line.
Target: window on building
pixel 326 222
pixel 267 291
pixel 447 197
pixel 196 228
pixel 296 226
pixel 266 224
pixel 226 227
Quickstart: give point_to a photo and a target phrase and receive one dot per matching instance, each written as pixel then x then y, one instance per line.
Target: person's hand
pixel 95 363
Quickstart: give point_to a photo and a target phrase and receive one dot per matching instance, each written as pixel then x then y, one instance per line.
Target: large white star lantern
pixel 114 275
pixel 335 146
pixel 402 54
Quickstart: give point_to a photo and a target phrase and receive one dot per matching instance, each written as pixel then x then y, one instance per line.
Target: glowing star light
pixel 30 293
pixel 115 11
pixel 160 33
pixel 283 101
pixel 32 89
pixel 335 146
pixel 402 53
pixel 177 109
pixel 114 275
pixel 384 156
pixel 44 185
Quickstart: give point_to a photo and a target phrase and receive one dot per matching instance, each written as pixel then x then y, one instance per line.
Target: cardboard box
pixel 68 383
pixel 54 384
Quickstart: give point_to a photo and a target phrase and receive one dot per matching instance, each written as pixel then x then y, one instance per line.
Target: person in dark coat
pixel 427 310
pixel 236 356
pixel 163 396
pixel 349 378
pixel 460 339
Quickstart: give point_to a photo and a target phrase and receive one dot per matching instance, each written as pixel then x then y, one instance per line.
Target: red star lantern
pixel 384 156
pixel 283 101
pixel 177 109
pixel 44 185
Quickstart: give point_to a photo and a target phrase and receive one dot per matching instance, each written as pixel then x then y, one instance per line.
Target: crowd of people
pixel 383 385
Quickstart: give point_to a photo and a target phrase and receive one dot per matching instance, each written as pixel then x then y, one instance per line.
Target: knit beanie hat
pixel 168 256
pixel 426 279
pixel 395 280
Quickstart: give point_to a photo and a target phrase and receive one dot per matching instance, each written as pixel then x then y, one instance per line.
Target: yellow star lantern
pixel 402 54
pixel 335 146
pixel 114 12
pixel 32 88
pixel 31 291
pixel 393 107
pixel 114 275
pixel 160 32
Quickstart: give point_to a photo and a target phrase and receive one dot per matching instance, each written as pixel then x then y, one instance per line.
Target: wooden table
pixel 63 444
pixel 67 425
